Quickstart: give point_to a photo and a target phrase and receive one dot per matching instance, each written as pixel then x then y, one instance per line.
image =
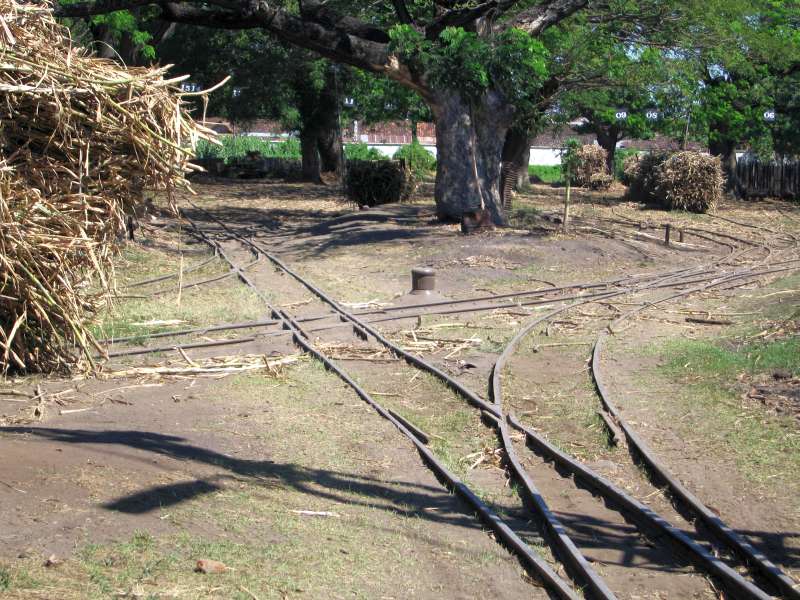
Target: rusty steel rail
pixel 578 566
pixel 731 578
pixel 754 558
pixel 533 561
pixel 144 282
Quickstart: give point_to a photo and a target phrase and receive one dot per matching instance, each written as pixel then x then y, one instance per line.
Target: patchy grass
pixel 304 451
pixel 5 578
pixel 551 390
pixel 766 448
pixel 710 359
pixel 230 301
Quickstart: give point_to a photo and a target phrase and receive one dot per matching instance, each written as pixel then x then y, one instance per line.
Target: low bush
pixel 235 147
pixel 418 158
pixel 361 151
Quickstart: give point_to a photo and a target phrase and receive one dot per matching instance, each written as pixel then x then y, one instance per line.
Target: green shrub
pixel 237 146
pixel 547 173
pixel 418 159
pixel 361 151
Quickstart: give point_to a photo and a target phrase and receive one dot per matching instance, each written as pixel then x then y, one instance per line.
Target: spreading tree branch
pixel 536 19
pixel 341 39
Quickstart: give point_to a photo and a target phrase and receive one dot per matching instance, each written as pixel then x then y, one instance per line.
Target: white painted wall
pixel 539 156
pixel 547 157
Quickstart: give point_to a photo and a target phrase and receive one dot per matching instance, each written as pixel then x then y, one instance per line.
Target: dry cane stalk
pixel 88 137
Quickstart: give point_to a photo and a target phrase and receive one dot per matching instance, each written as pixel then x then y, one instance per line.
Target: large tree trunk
pixel 517 151
pixel 469 145
pixel 310 155
pixel 608 139
pixel 326 117
pixel 727 155
pixel 330 150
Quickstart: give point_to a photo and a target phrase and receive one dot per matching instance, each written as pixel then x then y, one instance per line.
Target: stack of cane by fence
pixel 689 181
pixel 80 139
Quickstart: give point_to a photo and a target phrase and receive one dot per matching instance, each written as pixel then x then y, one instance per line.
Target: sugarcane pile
pixel 374 182
pixel 591 171
pixel 690 181
pixel 641 174
pixel 630 168
pixel 80 139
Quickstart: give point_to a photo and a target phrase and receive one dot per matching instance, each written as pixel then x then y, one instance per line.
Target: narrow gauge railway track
pixel 536 297
pixel 722 534
pixel 541 296
pixel 580 570
pixel 555 584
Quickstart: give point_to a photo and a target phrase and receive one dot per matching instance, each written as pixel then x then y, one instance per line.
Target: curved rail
pixel 757 560
pixel 730 577
pixel 732 580
pixel 532 560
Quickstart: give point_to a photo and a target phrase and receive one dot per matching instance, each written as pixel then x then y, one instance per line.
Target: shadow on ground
pixel 400 497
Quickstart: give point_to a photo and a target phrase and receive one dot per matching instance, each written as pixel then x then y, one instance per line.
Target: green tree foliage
pixel 632 79
pixel 489 68
pixel 512 62
pixel 747 72
pixel 269 80
pixel 260 86
pixel 379 99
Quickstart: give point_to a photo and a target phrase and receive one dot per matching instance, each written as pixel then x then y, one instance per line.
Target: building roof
pixel 399 132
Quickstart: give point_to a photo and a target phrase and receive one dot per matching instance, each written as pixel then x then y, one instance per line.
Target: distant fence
pixel 777 178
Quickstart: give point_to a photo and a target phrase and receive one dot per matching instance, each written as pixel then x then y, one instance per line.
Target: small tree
pixel 570 160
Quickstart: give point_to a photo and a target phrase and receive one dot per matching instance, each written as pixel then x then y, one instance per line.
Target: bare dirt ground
pixel 289 479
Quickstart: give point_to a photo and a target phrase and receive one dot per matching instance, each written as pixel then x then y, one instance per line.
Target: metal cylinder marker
pixel 423 280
